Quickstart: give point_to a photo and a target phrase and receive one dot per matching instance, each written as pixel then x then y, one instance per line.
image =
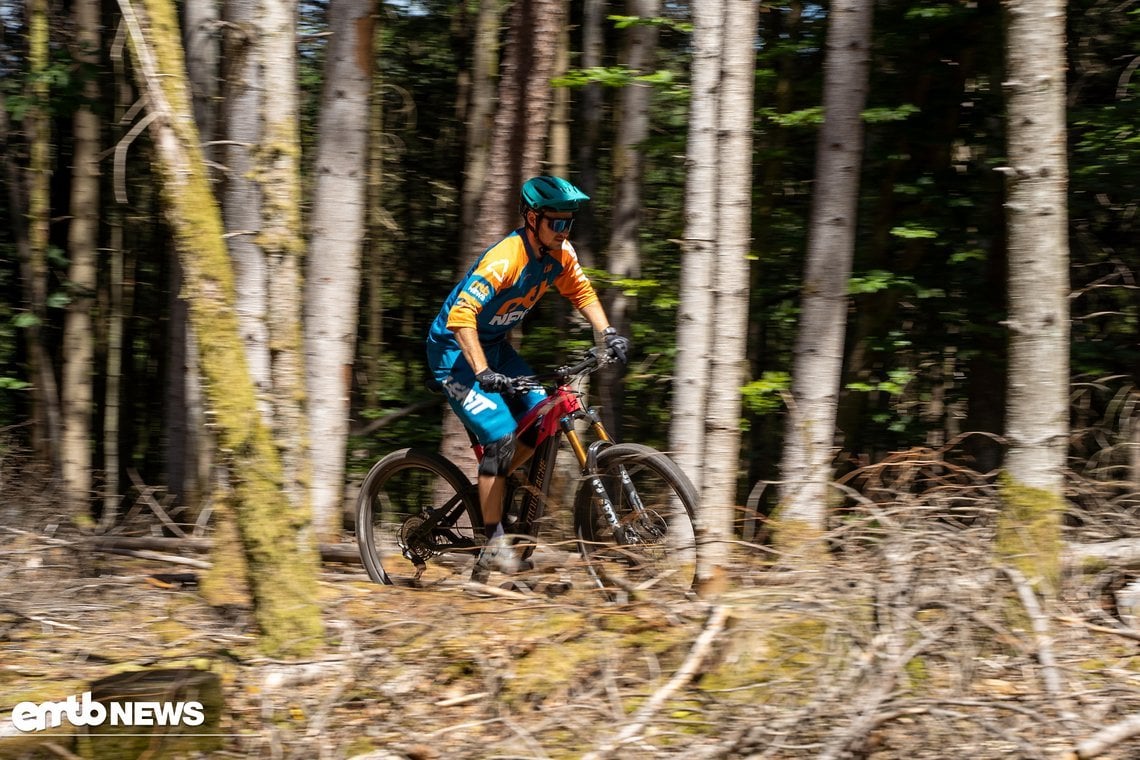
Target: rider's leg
pixel 493 469
pixel 491 490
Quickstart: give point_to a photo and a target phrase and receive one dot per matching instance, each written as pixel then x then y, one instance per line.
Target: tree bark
pixel 82 242
pixel 480 116
pixel 696 310
pixel 730 289
pixel 623 252
pixel 1037 422
pixel 809 445
pixel 332 281
pixel 46 413
pixel 588 131
pixel 244 108
pixel 282 242
pixel 282 566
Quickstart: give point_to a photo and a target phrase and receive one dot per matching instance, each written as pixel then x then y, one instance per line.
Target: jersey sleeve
pixel 497 270
pixel 572 281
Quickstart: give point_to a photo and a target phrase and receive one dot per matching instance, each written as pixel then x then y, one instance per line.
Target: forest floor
pixel 912 644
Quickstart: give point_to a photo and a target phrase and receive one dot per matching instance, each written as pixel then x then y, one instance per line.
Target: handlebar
pixel 595 359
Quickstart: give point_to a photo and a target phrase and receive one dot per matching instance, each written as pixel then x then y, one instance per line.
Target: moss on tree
pixel 282 568
pixel 1029 532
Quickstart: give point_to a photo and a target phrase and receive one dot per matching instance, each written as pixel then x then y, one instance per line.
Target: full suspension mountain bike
pixel 418 519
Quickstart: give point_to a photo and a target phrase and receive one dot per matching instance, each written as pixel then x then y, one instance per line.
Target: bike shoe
pixel 499 554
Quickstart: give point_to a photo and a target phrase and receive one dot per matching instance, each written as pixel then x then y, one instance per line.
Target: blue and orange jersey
pixel 501 288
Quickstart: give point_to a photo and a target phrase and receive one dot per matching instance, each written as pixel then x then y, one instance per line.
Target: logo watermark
pixel 80 710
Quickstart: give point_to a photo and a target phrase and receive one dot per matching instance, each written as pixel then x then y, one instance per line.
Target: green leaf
pixel 806 117
pixel 871 282
pixel 58 300
pixel 884 114
pixel 624 22
pixel 765 395
pixel 13 384
pixel 912 231
pixel 25 319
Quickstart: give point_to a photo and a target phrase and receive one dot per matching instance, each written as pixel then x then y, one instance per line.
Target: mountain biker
pixel 469 354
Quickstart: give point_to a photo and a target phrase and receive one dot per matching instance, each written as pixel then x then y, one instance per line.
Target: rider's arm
pixel 468 340
pixel 594 312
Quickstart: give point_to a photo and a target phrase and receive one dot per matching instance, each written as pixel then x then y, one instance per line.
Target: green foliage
pixel 885 114
pixel 625 22
pixel 612 76
pixel 766 395
pixel 805 117
pixel 893 386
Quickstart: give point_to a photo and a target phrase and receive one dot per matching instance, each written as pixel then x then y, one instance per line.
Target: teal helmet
pixel 553 193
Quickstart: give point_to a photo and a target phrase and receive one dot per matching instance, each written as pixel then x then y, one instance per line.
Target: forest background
pixel 310 180
pixel 925 352
pixel 404 165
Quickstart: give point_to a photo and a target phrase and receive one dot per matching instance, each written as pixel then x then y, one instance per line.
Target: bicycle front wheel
pixel 647 541
pixel 417 519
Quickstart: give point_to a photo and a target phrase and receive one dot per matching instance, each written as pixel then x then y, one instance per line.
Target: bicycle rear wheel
pixel 417 519
pixel 654 547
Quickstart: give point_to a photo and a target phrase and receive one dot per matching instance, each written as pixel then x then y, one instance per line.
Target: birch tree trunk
pixel 282 565
pixel 281 239
pixel 82 242
pixel 705 433
pixel 332 281
pixel 1037 421
pixel 244 107
pixel 695 312
pixel 623 253
pixel 730 289
pixel 809 444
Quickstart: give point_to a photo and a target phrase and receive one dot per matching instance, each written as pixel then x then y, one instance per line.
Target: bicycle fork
pixel 587 460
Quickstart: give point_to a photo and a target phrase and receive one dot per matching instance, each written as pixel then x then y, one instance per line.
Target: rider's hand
pixel 495 382
pixel 619 344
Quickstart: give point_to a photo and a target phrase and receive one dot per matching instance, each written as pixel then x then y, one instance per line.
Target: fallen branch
pixel 1122 552
pixel 329 552
pixel 145 492
pixel 1106 738
pixel 684 674
pixel 1050 673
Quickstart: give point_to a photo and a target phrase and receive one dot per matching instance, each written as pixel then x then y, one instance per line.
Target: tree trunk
pixel 696 310
pixel 282 566
pixel 480 115
pixel 244 108
pixel 806 467
pixel 587 129
pixel 200 30
pixel 45 394
pixel 521 123
pixel 188 440
pixel 623 252
pixel 82 242
pixel 730 286
pixel 1037 423
pixel 558 145
pixel 377 244
pixel 332 282
pixel 282 242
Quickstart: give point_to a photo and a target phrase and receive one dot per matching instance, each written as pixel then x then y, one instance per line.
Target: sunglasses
pixel 558 226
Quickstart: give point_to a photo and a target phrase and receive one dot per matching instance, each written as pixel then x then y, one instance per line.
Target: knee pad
pixel 497 456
